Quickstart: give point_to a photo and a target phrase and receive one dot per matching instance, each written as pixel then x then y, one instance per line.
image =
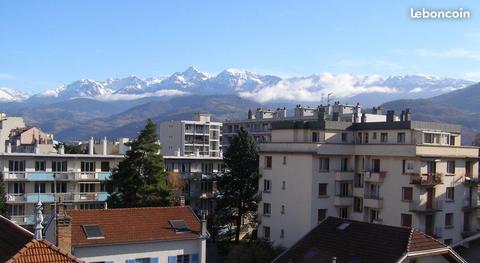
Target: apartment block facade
pixel 77 180
pixel 197 137
pixel 396 172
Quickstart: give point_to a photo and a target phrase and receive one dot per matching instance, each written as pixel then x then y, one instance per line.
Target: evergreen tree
pixel 140 179
pixel 3 197
pixel 238 186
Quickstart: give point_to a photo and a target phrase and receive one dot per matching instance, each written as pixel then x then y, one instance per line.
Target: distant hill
pixel 466 99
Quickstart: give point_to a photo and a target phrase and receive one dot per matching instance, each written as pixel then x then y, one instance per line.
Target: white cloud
pixel 416 90
pixel 314 87
pixel 473 75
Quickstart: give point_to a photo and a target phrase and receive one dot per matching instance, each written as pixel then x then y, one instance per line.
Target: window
pixel 450 193
pixel 267 185
pixel 267 209
pixel 366 137
pixel 40 166
pixel 105 166
pixel 358 180
pixel 40 188
pixel 282 210
pixel 374 136
pixel 284 160
pixel 451 167
pixel 448 241
pixel 376 165
pixel 407 166
pixel 322 189
pixel 406 220
pixel 266 232
pixel 59 166
pixel 314 136
pixel 374 215
pixel 401 137
pixel 324 164
pixel 407 194
pixel 16 166
pixel 449 220
pixel 431 167
pixel 383 137
pixel 87 188
pixel 431 138
pixel 452 140
pixel 103 187
pixel 321 214
pixel 344 137
pixel 342 189
pixel 61 187
pixel 268 162
pixel 359 136
pixel 357 204
pixel 87 166
pixel 284 185
pixel 344 165
pixel 343 212
pixel 16 210
pixel 282 233
pixel 18 188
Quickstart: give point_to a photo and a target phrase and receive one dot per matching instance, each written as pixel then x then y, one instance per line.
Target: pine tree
pixel 3 198
pixel 238 187
pixel 140 179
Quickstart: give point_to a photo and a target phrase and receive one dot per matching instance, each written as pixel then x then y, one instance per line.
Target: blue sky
pixel 46 43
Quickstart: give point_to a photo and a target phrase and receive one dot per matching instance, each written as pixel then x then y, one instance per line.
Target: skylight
pixel 179 226
pixel 93 231
pixel 343 226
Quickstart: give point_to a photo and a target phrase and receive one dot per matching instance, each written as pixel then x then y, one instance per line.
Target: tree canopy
pixel 238 186
pixel 140 179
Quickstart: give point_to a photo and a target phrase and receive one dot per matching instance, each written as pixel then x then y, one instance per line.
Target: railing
pixel 95 196
pixel 375 196
pixel 23 219
pixel 425 207
pixel 14 175
pixel 344 175
pixel 43 197
pixel 430 179
pixel 374 176
pixel 470 181
pixel 15 197
pixel 373 200
pixel 51 176
pixel 469 203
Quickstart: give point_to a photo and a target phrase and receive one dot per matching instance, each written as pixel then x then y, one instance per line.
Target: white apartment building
pixel 52 177
pixel 259 123
pixel 196 137
pixel 395 172
pixel 7 124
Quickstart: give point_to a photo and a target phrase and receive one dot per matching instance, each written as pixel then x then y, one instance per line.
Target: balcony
pixel 23 219
pixel 15 197
pixel 98 196
pixel 425 207
pixel 14 176
pixel 102 176
pixel 70 176
pixel 426 180
pixel 344 176
pixel 343 200
pixel 90 176
pixel 375 177
pixel 469 204
pixel 435 232
pixel 39 176
pixel 470 181
pixel 373 200
pixel 43 197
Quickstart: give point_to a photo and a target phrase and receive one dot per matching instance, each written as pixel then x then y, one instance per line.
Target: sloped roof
pixel 126 225
pixel 18 246
pixel 359 242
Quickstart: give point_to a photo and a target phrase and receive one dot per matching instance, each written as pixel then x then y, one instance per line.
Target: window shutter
pixel 153 260
pixel 194 258
pixel 172 259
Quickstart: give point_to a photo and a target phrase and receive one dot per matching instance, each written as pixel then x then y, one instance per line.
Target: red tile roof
pixel 124 225
pixel 360 242
pixel 18 246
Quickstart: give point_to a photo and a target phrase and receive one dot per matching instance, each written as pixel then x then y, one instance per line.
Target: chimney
pixel 408 115
pixel 390 115
pixel 364 117
pixel 355 117
pixel 402 115
pixel 91 146
pixel 250 114
pixel 321 113
pixel 104 144
pixel 61 149
pixel 38 220
pixel 9 147
pixel 64 230
pixel 182 200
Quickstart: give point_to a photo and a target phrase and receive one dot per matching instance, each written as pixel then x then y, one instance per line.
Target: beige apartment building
pixel 395 172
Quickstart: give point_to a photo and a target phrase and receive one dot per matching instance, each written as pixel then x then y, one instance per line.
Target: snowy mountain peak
pixel 8 94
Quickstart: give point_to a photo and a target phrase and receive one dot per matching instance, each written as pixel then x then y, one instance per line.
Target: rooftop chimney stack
pixel 355 117
pixel 104 144
pixel 64 230
pixel 250 114
pixel 321 114
pixel 364 117
pixel 390 115
pixel 61 149
pixel 408 115
pixel 91 146
pixel 402 116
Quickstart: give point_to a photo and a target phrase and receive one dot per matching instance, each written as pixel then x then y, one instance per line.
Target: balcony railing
pixel 344 175
pixel 15 197
pixel 426 180
pixel 346 200
pixel 375 176
pixel 373 200
pixel 469 204
pixel 470 181
pixel 426 207
pixel 14 176
pixel 23 219
pixel 51 176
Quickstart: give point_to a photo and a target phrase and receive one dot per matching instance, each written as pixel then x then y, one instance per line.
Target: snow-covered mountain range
pixel 368 90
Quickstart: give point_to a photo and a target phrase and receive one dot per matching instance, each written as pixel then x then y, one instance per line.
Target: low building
pixel 150 234
pixel 8 123
pixel 197 137
pixel 345 241
pixel 18 245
